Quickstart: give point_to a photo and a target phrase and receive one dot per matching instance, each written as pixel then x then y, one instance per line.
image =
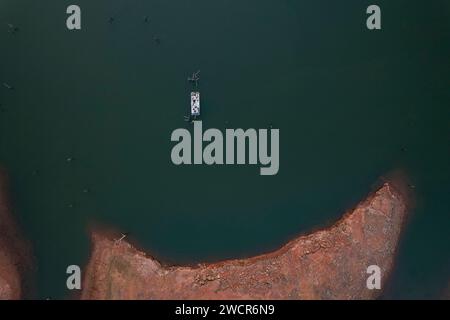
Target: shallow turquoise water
pixel 347 102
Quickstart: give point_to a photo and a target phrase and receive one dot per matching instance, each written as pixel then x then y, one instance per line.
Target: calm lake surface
pixel 351 105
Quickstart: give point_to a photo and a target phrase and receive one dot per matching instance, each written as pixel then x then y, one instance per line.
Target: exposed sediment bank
pixel 446 295
pixel 326 264
pixel 15 254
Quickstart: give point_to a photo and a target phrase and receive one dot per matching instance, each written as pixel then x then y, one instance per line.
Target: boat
pixel 195 104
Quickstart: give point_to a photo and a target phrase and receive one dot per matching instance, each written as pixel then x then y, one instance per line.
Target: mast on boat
pixel 195 77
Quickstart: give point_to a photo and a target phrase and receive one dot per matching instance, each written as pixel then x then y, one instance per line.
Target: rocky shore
pixel 327 264
pixel 15 257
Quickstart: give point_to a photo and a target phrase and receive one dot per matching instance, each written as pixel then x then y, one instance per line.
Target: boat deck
pixel 195 103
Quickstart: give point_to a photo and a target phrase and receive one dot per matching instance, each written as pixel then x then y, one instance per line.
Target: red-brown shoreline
pixel 95 283
pixel 16 260
pixel 396 179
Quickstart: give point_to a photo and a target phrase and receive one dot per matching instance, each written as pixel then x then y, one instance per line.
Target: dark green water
pixel 346 101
